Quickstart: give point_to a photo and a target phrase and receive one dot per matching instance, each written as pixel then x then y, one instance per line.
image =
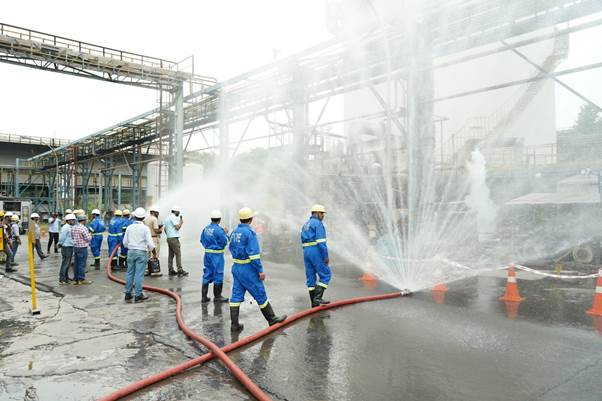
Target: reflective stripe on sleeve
pixel 306 244
pixel 254 257
pixel 319 241
pixel 241 262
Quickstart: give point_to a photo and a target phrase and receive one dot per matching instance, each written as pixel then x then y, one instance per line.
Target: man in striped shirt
pixel 81 240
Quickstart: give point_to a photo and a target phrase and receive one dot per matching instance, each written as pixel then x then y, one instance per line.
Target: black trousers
pixel 53 237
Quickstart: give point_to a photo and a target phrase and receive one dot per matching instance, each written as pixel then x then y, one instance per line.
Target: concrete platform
pixel 464 346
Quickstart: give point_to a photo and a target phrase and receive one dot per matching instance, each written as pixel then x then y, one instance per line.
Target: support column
pixel 177 153
pixel 17 183
pixel 119 190
pixel 300 115
pixel 421 139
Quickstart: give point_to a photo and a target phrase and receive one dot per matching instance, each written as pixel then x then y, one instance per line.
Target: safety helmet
pixel 82 217
pixel 126 212
pixel 70 216
pixel 246 213
pixel 118 212
pixel 1 213
pixel 68 211
pixel 318 208
pixel 139 213
pixel 35 216
pixel 216 214
pixel 8 214
pixel 96 211
pixel 153 209
pixel 176 208
pixel 14 217
pixel 81 211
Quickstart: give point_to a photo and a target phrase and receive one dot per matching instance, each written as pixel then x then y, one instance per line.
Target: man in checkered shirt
pixel 81 240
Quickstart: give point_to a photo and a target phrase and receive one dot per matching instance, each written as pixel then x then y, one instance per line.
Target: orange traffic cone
pixel 368 277
pixel 439 297
pixel 440 287
pixel 511 309
pixel 596 309
pixel 511 287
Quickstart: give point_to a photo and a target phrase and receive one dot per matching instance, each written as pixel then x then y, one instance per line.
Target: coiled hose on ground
pixel 217 352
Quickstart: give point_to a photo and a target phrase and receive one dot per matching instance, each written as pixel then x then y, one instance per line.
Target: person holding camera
pixel 173 224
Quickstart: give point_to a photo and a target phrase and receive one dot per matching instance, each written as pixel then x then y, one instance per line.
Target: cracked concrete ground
pixel 466 346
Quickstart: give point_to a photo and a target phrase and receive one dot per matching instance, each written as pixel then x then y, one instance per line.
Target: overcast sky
pixel 227 37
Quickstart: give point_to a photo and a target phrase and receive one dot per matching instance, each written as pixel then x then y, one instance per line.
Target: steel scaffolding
pixel 288 86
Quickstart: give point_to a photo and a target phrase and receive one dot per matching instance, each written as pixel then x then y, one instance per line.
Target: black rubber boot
pixel 312 295
pixel 217 293
pixel 96 264
pixel 204 291
pixel 269 315
pixel 318 296
pixel 121 263
pixel 113 264
pixel 235 325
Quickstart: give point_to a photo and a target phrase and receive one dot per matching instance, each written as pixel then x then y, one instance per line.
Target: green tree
pixel 589 120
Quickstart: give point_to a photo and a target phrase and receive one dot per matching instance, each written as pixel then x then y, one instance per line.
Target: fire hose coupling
pixel 405 292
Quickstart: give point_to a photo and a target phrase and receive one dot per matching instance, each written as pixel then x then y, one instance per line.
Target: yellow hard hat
pixel 14 217
pixel 245 213
pixel 118 212
pixel 126 212
pixel 1 213
pixel 318 208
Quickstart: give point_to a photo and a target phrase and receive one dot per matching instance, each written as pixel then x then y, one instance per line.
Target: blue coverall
pixel 247 266
pixel 115 234
pixel 97 228
pixel 125 223
pixel 214 241
pixel 315 251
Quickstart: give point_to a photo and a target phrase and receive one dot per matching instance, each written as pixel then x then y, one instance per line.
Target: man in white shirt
pixel 138 240
pixel 54 226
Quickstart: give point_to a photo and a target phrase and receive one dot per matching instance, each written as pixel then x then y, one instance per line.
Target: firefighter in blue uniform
pixel 315 255
pixel 126 221
pixel 115 235
pixel 247 272
pixel 97 229
pixel 214 241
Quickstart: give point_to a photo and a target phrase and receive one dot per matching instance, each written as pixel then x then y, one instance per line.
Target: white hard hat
pixel 96 211
pixel 216 214
pixel 68 211
pixel 176 208
pixel 9 214
pixel 139 213
pixel 34 215
pixel 318 208
pixel 70 216
pixel 153 209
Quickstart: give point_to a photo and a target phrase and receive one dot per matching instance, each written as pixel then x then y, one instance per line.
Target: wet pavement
pixel 461 345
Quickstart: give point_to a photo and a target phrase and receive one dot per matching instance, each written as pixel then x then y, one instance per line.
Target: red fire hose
pixel 220 353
